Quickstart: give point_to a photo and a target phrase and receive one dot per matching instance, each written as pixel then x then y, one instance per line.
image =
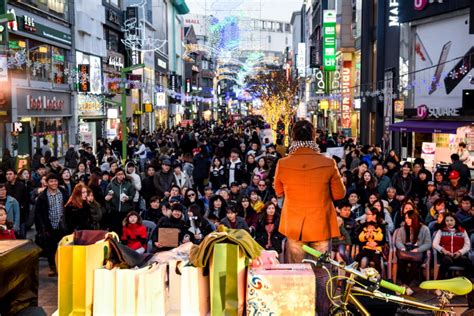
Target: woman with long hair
pixel 198 225
pixel 366 186
pixel 439 180
pixel 262 168
pixel 266 233
pixel 77 213
pixel 217 174
pixel 411 242
pixel 66 181
pixel 94 186
pixel 246 211
pixel 217 208
pixel 81 172
pixel 452 243
pixel 191 197
pixel 250 165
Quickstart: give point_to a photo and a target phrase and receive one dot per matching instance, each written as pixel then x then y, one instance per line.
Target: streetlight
pixel 123 75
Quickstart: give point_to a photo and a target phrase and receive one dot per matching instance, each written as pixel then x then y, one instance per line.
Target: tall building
pixel 39 63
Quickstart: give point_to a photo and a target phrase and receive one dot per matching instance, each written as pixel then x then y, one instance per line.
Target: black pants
pixel 408 270
pixel 51 246
pixel 372 256
pixel 447 261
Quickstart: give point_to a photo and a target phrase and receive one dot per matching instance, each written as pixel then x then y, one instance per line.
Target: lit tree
pixel 277 92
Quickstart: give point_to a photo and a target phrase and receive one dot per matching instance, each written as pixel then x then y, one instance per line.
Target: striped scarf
pixel 303 144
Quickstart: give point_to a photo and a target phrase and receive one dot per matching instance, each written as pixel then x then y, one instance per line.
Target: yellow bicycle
pixel 347 303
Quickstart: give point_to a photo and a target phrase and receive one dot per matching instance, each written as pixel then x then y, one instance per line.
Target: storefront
pixel 44 114
pixel 111 67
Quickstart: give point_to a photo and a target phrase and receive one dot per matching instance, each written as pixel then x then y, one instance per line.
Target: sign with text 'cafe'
pixel 329 40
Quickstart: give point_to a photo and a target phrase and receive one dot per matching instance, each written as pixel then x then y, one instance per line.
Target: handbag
pixel 410 256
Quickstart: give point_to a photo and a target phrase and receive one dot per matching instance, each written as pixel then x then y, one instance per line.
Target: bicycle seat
pixel 458 286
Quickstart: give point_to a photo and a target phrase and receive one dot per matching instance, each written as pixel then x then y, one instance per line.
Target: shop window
pixel 58 8
pixel 52 129
pixel 112 41
pixel 17 56
pixel 39 56
pixel 60 65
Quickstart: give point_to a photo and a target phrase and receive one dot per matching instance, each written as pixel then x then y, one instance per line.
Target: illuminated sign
pixel 301 61
pixel 44 103
pixel 346 95
pixel 423 112
pixel 84 83
pixel 329 40
pixel 421 4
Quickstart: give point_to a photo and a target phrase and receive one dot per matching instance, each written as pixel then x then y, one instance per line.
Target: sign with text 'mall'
pixel 329 40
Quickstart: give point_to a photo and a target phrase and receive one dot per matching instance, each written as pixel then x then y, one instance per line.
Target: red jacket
pixel 134 236
pixel 452 241
pixel 6 234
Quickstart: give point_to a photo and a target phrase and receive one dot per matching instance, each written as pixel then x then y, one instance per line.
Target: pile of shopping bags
pixel 224 275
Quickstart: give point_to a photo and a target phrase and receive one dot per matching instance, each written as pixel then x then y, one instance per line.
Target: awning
pixel 443 127
pixel 180 6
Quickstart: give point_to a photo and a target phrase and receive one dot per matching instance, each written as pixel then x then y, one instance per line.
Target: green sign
pixel 329 40
pixel 29 25
pixel 58 58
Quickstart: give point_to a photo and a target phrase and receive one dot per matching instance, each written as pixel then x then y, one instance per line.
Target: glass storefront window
pixel 17 56
pixel 40 60
pixel 58 8
pixel 59 59
pixel 52 129
pixel 112 40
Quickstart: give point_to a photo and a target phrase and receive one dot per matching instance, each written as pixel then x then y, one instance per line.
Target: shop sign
pixel 423 112
pixel 329 40
pixel 84 83
pixel 115 61
pixel 428 152
pixel 36 103
pixel 346 94
pixel 28 24
pixel 301 59
pixel 88 105
pixel 113 17
pixel 44 103
pixel 393 13
pixel 420 5
pixel 161 63
pixel 160 99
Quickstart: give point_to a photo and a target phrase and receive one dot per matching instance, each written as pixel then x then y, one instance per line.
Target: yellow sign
pixel 148 108
pixel 324 105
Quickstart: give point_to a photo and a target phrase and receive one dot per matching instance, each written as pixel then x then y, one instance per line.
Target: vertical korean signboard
pixel 346 95
pixel 329 40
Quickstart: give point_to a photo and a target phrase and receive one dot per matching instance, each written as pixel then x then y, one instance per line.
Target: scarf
pixel 311 144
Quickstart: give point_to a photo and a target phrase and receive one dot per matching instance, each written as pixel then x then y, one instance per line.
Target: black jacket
pixel 162 182
pixel 78 218
pixel 20 192
pixel 239 171
pixel 170 222
pixel 276 238
pixel 240 223
pixel 42 211
pixel 148 190
pixel 71 158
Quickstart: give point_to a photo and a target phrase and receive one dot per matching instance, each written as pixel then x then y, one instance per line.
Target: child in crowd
pixel 341 244
pixel 6 227
pixel 349 222
pixel 371 238
pixel 96 209
pixel 134 233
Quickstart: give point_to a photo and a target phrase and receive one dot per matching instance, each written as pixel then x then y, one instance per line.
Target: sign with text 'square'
pixel 329 40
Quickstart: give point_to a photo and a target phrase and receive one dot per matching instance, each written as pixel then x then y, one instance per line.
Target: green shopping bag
pixel 228 280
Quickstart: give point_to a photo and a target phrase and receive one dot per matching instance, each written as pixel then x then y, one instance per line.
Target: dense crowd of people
pixel 196 178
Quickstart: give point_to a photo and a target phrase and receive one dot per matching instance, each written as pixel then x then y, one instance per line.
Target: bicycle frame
pixel 350 292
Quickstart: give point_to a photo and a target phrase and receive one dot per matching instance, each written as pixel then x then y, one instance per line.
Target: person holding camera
pixel 119 201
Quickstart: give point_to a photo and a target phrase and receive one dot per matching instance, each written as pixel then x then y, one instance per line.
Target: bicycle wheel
pixel 340 311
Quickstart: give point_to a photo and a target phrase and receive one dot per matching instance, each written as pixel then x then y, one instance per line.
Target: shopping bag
pixel 227 280
pixel 153 292
pixel 194 292
pixel 76 266
pixel 126 290
pixel 175 286
pixel 281 289
pixel 104 292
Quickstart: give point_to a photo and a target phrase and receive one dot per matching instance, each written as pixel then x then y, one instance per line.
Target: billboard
pixel 443 63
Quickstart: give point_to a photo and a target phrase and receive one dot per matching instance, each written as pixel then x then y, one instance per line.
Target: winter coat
pixel 13 212
pixel 308 215
pixel 116 204
pixel 182 180
pixel 403 185
pixel 217 177
pixel 163 182
pixel 134 236
pixel 71 158
pixel 201 167
pixel 276 238
pixel 239 171
pixel 78 218
pixel 43 223
pixel 137 183
pixel 239 224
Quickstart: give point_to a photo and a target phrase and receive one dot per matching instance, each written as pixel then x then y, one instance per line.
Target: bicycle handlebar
pixel 383 283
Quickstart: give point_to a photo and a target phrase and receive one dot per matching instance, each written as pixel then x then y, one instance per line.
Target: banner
pixel 428 151
pixel 329 40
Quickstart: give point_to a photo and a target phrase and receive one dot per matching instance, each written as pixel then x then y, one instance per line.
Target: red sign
pixel 346 95
pixel 43 103
pixel 84 83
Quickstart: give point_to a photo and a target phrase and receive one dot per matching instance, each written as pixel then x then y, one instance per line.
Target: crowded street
pixel 204 157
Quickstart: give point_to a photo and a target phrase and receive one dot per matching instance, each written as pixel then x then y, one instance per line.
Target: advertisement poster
pixel 442 63
pixel 428 151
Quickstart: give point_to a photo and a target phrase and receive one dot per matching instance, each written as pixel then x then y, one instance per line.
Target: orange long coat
pixel 310 183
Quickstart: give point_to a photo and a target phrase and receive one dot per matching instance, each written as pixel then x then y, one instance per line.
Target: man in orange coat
pixel 309 182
